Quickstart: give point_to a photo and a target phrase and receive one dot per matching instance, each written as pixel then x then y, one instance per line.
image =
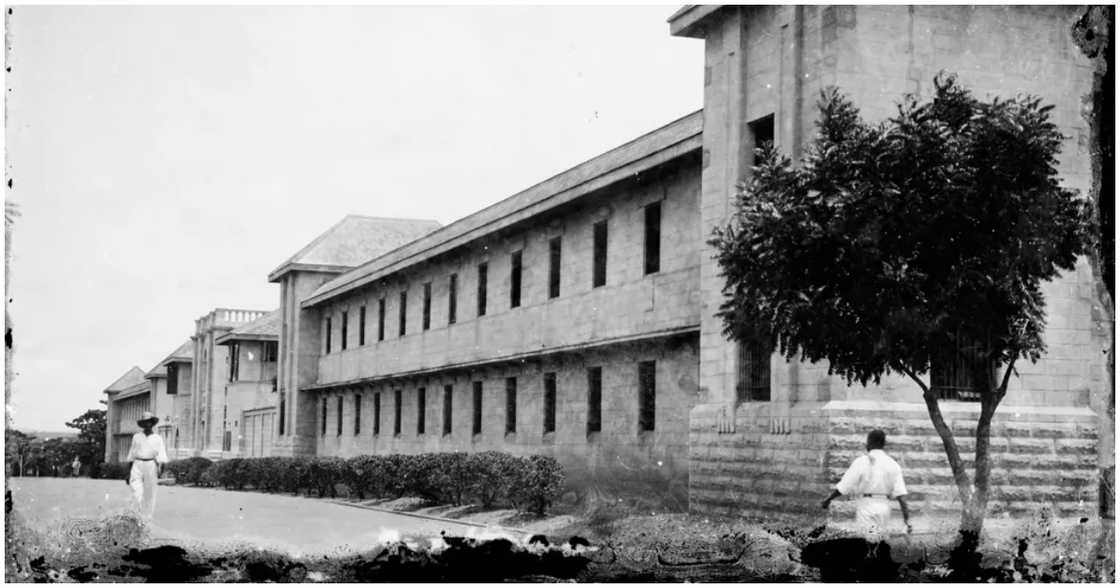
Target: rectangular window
pixel 476 422
pixel 550 402
pixel 173 378
pixel 403 313
pixel 452 295
pixel 270 351
pixel 234 361
pixel 345 325
pixel 647 395
pixel 328 337
pixel 421 407
pixel 283 414
pixel 377 413
pixel 762 134
pixel 397 412
pixel 357 414
pixel 482 289
pixel 554 267
pixel 653 238
pixel 447 409
pixel 951 375
pixel 594 399
pixel 362 326
pixel 381 319
pixel 515 279
pixel 753 381
pixel 426 321
pixel 323 425
pixel 599 254
pixel 511 405
pixel 339 418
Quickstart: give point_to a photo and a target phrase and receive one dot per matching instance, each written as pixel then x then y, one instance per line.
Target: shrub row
pixel 487 478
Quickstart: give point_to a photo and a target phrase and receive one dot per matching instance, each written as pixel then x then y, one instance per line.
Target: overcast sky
pixel 166 159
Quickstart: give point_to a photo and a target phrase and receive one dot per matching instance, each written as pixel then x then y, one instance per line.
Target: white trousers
pixel 142 480
pixel 872 514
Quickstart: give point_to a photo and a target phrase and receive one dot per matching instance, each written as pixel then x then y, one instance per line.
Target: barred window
pixel 951 375
pixel 753 381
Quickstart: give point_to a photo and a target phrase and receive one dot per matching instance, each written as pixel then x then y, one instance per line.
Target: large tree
pixel 91 438
pixel 894 246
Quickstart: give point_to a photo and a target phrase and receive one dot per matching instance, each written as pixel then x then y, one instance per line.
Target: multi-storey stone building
pixel 126 399
pixel 250 390
pixel 576 318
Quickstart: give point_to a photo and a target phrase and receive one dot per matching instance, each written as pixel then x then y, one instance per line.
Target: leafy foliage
pixel 91 437
pixel 456 478
pixel 892 241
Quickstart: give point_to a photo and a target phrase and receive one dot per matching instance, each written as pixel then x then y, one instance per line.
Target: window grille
pixel 753 381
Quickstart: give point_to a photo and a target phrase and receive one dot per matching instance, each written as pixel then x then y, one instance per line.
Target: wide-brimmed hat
pixel 147 417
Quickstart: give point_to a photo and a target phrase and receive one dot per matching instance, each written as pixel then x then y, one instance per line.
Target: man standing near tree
pixel 874 479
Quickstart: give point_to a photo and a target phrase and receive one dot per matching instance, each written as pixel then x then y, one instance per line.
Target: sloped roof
pixel 157 372
pixel 657 147
pixel 130 378
pixel 353 241
pixel 265 328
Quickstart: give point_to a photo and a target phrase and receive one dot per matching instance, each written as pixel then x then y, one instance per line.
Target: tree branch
pixel 960 476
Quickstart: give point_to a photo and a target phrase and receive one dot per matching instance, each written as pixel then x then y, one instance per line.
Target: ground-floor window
pixel 511 405
pixel 753 381
pixel 396 412
pixel 647 395
pixel 447 409
pixel 550 402
pixel 594 399
pixel 421 407
pixel 476 422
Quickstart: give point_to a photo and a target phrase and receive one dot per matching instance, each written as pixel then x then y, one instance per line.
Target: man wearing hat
pixel 874 479
pixel 147 455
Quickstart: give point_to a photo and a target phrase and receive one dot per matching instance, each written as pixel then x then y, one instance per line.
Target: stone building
pixel 576 318
pixel 250 390
pixel 170 398
pixel 126 399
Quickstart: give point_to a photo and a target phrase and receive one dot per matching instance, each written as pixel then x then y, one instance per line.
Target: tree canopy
pixel 892 241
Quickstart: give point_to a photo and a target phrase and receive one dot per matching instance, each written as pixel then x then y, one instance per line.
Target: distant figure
pixel 77 465
pixel 874 479
pixel 147 455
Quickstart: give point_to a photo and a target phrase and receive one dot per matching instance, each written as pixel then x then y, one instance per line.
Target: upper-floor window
pixel 172 378
pixel 599 254
pixel 482 270
pixel 754 372
pixel 554 267
pixel 403 313
pixel 345 329
pixel 653 238
pixel 381 319
pixel 234 361
pixel 647 395
pixel 515 279
pixel 550 402
pixel 362 326
pixel 426 315
pixel 452 297
pixel 762 133
pixel 511 405
pixel 327 338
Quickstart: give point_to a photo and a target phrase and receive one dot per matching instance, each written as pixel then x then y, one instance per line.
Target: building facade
pixel 577 318
pixel 126 400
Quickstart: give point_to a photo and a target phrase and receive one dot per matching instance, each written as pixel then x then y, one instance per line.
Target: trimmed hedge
pixel 487 478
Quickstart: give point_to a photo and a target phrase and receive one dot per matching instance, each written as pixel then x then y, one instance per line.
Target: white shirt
pixel 874 473
pixel 147 447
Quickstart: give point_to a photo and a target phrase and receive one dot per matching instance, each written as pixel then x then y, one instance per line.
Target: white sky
pixel 165 159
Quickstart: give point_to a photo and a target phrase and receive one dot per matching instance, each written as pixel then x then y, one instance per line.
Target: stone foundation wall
pixel 1040 457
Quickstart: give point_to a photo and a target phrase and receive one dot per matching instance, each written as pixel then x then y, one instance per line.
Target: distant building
pixel 250 390
pixel 171 396
pixel 126 400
